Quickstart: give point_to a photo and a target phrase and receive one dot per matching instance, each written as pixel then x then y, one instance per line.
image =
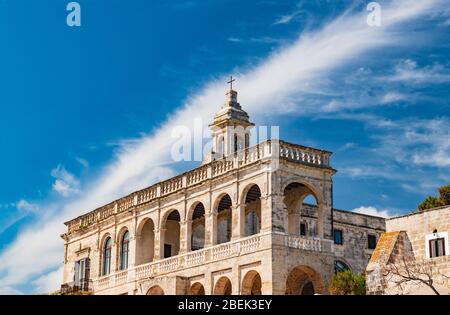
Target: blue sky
pixel 86 112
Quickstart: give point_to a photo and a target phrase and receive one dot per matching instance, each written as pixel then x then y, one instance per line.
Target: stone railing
pixel 306 243
pixel 265 150
pixel 190 259
pixel 304 155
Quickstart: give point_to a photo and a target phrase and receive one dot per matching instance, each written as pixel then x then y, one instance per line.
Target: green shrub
pixel 348 283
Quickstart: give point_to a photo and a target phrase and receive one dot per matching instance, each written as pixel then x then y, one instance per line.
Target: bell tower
pixel 231 127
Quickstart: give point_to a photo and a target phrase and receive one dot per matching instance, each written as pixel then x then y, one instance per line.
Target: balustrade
pixel 217 168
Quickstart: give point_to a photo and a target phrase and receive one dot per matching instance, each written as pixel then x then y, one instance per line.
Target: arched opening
pixel 304 280
pixel 251 284
pixel 198 227
pixel 124 250
pixel 196 289
pixel 252 210
pixel 302 205
pixel 223 286
pixel 106 254
pixel 221 146
pixel 247 140
pixel 172 234
pixel 155 290
pixel 224 219
pixel 145 247
pixel 340 266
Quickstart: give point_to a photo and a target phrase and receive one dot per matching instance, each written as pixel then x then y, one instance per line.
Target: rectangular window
pixel 338 238
pixel 82 273
pixel 437 247
pixel 371 241
pixel 303 229
pixel 167 250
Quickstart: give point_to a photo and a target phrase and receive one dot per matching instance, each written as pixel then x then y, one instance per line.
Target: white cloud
pixel 65 183
pixel 234 39
pixel 418 141
pixel 25 206
pixel 83 162
pixel 373 211
pixel 6 290
pixel 409 72
pixel 288 18
pixel 392 97
pixel 50 282
pixel 273 87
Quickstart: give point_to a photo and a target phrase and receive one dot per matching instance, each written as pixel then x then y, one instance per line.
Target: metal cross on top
pixel 231 82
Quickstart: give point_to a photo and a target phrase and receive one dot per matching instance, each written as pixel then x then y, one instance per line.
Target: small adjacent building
pixel 237 224
pixel 413 256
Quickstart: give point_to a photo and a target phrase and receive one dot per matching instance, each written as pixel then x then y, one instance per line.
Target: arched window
pixel 252 223
pixel 221 146
pixel 252 211
pixel 235 143
pixel 340 266
pixel 107 257
pixel 247 140
pixel 124 249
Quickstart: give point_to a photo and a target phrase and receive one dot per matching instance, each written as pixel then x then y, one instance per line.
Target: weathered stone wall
pixel 404 245
pixel 355 230
pixel 281 257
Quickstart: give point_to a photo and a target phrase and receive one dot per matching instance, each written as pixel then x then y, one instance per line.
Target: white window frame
pixel 434 236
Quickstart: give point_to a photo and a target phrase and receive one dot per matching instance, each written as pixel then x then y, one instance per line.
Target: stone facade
pixel 408 243
pixel 237 224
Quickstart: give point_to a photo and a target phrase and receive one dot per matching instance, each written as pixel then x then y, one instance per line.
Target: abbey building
pixel 237 224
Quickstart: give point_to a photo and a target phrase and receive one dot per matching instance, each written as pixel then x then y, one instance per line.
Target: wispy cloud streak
pixel 273 86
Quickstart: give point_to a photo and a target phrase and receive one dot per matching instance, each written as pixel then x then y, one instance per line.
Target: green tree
pixel 348 283
pixel 430 202
pixel 444 194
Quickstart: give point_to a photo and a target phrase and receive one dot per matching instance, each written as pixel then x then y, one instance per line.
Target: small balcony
pixel 81 287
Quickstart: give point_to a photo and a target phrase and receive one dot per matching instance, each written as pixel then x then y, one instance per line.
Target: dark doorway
pixel 167 250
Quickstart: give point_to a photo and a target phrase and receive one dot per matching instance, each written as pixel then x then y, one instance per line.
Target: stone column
pixel 276 218
pixel 115 250
pixel 209 285
pixel 210 229
pixel 159 243
pixel 185 236
pixel 132 251
pixel 237 221
pixel 235 281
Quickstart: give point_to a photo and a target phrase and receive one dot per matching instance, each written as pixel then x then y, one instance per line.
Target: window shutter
pixel 76 272
pixel 440 247
pixel 432 248
pixel 87 270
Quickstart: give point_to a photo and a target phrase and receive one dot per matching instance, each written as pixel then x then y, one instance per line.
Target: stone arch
pixel 171 225
pixel 155 290
pixel 251 284
pixel 244 191
pixel 121 232
pixel 145 241
pixel 294 195
pixel 197 228
pixel 223 209
pixel 101 266
pixel 252 209
pixel 196 289
pixel 304 280
pixel 223 286
pixel 123 248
